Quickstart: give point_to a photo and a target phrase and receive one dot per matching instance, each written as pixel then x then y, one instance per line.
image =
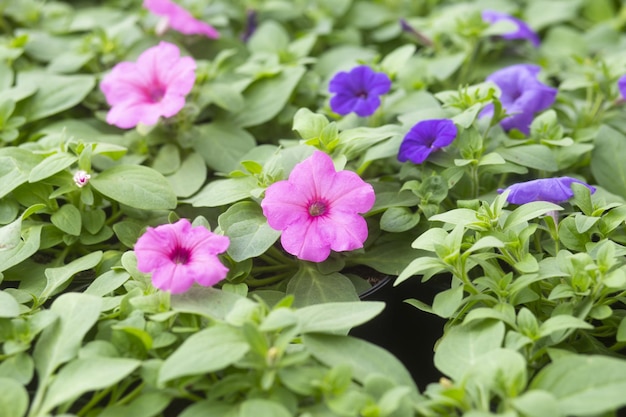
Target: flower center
pixel 156 93
pixel 361 94
pixel 180 255
pixel 317 208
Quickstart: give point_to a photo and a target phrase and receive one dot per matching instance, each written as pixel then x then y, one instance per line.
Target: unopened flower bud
pixel 81 178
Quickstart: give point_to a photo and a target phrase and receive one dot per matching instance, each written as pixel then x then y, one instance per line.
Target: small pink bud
pixel 81 178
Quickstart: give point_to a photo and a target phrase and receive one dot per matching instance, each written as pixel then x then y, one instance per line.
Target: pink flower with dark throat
pixel 318 209
pixel 180 19
pixel 178 255
pixel 154 86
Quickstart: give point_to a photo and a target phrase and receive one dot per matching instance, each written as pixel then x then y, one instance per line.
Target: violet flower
pixel 251 25
pixel 318 208
pixel 553 190
pixel 523 30
pixel 426 137
pixel 154 86
pixel 179 255
pixel 358 91
pixel 180 19
pixel 621 85
pixel 522 95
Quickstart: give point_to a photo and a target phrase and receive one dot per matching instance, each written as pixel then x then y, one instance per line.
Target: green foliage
pixel 532 295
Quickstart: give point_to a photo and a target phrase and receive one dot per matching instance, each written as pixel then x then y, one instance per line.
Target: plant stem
pixel 254 283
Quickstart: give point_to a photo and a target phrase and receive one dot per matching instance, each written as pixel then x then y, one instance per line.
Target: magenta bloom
pixel 553 190
pixel 426 137
pixel 621 84
pixel 358 91
pixel 179 255
pixel 318 208
pixel 180 19
pixel 523 30
pixel 154 86
pixel 522 95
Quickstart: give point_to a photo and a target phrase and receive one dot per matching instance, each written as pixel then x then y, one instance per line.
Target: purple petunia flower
pixel 178 255
pixel 553 190
pixel 426 137
pixel 358 91
pixel 621 84
pixel 523 30
pixel 318 209
pixel 522 95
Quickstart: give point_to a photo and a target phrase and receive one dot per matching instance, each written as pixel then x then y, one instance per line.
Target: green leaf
pixel 55 93
pixel 209 350
pixel 621 331
pixel 330 317
pixel 462 345
pixel 419 266
pixel 59 342
pixel 13 398
pixel 93 220
pixel 529 211
pixel 247 228
pixel 107 282
pixel 266 97
pixel 447 302
pixel 309 125
pixel 309 286
pixel 11 235
pixel 149 404
pixel 584 384
pixel 9 307
pixel 68 219
pixel 606 161
pixel 540 15
pixel 397 59
pixel 190 176
pixel 226 96
pixel 167 160
pixel 398 219
pixel 58 276
pixel 486 242
pixel 15 167
pixel 387 257
pixel 220 192
pixel 364 358
pixel 51 165
pixel 531 156
pixel 263 408
pixel 455 217
pixel 25 249
pixel 136 186
pixel 207 301
pixel 84 375
pixel 562 322
pixel 537 403
pixel 222 144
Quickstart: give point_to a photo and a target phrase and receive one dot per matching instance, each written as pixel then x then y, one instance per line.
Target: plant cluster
pixel 194 193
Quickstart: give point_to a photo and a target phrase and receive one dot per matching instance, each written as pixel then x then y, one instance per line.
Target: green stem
pixel 271 268
pixel 255 283
pixel 131 395
pixel 97 397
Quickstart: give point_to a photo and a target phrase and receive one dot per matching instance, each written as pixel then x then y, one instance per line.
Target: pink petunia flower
pixel 180 19
pixel 318 208
pixel 179 255
pixel 154 86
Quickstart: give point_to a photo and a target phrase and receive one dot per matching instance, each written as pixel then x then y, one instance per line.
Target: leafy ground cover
pixel 192 191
